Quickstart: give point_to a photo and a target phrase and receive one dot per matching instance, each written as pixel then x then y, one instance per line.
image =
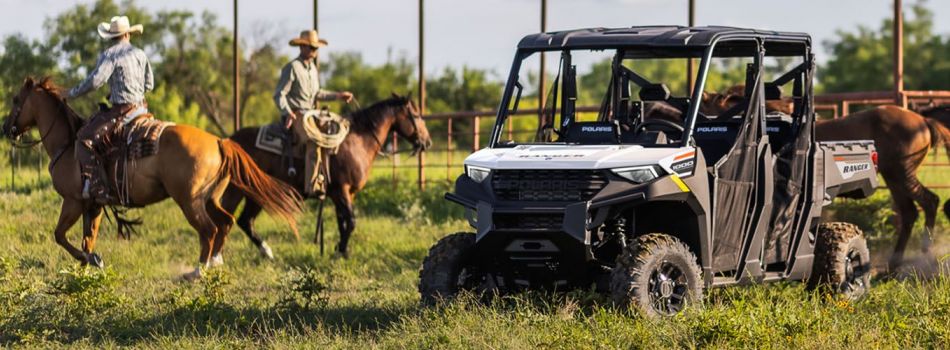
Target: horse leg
pixel 928 201
pixel 232 197
pixel 68 215
pixel 90 226
pixel 223 221
pixel 345 218
pixel 906 216
pixel 194 210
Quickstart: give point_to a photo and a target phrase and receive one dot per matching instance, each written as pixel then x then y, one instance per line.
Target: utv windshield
pixel 619 98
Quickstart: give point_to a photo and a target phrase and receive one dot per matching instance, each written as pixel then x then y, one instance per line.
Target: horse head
pixel 22 115
pixel 410 125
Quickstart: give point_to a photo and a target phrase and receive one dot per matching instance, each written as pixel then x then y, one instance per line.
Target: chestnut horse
pixel 902 139
pixel 349 167
pixel 193 168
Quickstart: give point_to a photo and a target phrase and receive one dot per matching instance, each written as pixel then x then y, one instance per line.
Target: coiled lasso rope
pixel 334 122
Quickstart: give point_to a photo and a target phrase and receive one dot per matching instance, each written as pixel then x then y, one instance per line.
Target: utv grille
pixel 528 222
pixel 548 185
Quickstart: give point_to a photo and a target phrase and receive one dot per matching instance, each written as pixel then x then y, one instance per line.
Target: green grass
pixel 303 299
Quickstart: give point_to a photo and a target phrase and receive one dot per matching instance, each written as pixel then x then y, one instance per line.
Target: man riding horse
pixel 129 74
pixel 298 92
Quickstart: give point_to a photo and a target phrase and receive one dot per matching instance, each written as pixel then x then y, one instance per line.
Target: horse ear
pixel 394 94
pixel 29 82
pixel 409 96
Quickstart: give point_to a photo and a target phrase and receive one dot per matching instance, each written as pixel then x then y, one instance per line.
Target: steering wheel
pixel 661 125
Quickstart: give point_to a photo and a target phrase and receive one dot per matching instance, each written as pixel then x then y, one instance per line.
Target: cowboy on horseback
pixel 127 70
pixel 297 95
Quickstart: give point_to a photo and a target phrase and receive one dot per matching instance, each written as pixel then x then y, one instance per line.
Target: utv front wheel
pixel 842 261
pixel 658 275
pixel 444 271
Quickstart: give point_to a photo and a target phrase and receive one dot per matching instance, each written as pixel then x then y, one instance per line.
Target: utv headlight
pixel 638 174
pixel 478 174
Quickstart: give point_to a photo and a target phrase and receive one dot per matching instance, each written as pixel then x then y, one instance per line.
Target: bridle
pixel 14 136
pixel 413 117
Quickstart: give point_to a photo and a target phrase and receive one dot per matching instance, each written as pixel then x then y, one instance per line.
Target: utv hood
pixel 573 156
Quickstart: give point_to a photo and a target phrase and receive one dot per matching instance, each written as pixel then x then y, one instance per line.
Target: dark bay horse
pixel 349 167
pixel 193 168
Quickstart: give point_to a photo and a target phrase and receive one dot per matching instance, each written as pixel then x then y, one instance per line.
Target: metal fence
pixel 453 142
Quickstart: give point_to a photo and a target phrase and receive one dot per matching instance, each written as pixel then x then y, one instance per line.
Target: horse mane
pixel 368 118
pixel 74 120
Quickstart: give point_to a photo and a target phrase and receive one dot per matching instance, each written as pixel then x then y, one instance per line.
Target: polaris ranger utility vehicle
pixel 649 198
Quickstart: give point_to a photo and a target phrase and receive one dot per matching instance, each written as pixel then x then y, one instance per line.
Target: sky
pixel 483 33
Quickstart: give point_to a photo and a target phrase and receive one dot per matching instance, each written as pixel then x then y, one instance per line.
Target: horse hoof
pixel 217 260
pixel 266 252
pixel 192 276
pixel 95 260
pixel 340 255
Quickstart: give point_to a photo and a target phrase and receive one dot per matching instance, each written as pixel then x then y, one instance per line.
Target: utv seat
pixel 592 133
pixel 716 138
pixel 779 128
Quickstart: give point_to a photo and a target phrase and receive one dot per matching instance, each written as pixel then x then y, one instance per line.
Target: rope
pixel 311 124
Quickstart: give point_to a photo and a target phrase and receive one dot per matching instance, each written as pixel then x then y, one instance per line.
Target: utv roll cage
pixel 704 43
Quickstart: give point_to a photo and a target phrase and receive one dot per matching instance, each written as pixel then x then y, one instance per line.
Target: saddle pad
pixel 141 136
pixel 270 138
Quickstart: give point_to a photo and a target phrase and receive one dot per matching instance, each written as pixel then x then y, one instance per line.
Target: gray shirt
pixel 127 70
pixel 299 87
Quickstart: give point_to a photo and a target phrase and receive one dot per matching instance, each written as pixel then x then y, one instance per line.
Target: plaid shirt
pixel 299 87
pixel 127 70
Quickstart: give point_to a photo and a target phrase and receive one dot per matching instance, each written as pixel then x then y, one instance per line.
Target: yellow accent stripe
pixel 679 182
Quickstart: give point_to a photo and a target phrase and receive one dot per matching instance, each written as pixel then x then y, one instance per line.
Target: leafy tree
pixel 863 60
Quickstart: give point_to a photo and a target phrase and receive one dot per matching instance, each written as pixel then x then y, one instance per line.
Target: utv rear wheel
pixel 658 275
pixel 444 271
pixel 842 261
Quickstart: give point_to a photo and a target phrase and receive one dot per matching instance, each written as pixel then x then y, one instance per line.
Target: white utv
pixel 653 200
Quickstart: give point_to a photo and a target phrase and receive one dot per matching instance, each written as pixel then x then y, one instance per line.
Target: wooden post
pixel 237 72
pixel 475 134
pixel 689 61
pixel 541 76
pixel 422 89
pixel 395 159
pixel 899 54
pixel 448 150
pixel 845 108
pixel 316 21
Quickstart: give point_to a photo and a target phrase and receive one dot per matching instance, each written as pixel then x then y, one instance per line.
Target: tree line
pixel 192 57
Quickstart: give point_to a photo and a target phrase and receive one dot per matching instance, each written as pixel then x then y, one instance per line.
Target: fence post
pixel 845 108
pixel 394 158
pixel 475 133
pixel 448 151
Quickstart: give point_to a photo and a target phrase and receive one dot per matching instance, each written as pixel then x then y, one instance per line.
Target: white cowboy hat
pixel 308 38
pixel 118 26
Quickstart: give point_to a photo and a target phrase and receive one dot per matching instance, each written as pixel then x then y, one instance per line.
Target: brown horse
pixel 193 168
pixel 349 167
pixel 902 138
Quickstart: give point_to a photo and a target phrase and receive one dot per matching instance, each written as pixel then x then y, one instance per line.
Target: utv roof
pixel 669 38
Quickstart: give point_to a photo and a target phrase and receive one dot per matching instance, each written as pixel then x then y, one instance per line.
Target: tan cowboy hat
pixel 308 38
pixel 118 26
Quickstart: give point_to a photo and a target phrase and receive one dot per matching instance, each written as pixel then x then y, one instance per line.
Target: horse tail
pixel 938 134
pixel 277 198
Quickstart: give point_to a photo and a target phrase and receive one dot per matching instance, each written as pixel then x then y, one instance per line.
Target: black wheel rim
pixel 668 288
pixel 854 273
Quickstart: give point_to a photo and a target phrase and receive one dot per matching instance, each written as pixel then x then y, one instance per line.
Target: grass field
pixel 303 299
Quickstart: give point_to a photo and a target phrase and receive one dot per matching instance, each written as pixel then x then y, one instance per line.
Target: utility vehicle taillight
pixel 874 159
